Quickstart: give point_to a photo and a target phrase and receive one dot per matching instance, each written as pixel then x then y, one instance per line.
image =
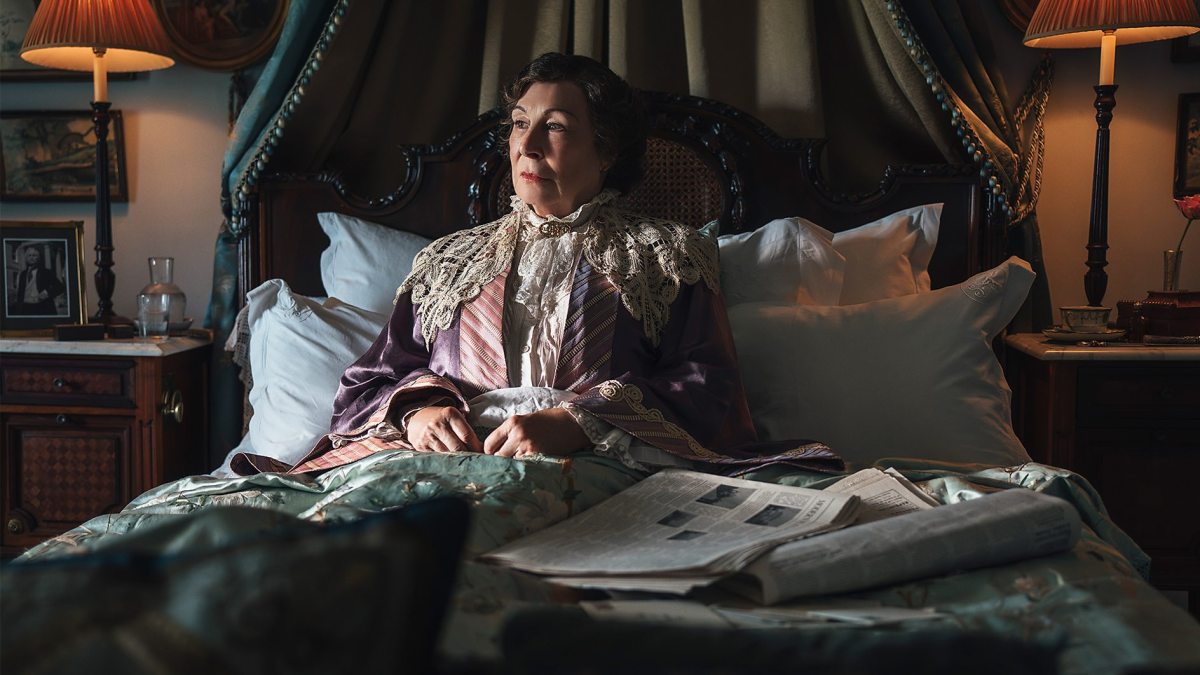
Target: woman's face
pixel 555 165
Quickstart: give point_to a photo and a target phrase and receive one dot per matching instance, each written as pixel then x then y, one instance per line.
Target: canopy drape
pixel 884 81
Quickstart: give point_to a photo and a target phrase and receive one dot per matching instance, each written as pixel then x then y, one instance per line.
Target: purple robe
pixel 679 391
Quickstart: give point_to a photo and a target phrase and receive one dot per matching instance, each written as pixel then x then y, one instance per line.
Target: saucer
pixel 1067 335
pixel 179 327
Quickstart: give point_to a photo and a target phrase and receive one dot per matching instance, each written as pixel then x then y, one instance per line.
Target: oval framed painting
pixel 222 34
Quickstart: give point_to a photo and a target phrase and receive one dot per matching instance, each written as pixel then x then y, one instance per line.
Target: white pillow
pixel 913 376
pixel 796 261
pixel 889 257
pixel 365 262
pixel 788 260
pixel 299 348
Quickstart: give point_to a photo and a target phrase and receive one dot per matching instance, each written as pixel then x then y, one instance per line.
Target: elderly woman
pixel 588 326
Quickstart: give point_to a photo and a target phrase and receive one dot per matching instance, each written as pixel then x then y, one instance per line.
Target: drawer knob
pixel 172 405
pixel 59 383
pixel 61 419
pixel 1166 393
pixel 16 525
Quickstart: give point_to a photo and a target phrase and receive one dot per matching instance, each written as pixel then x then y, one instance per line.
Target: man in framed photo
pixel 37 287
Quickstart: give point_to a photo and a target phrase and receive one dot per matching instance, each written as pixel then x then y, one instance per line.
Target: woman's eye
pixel 520 124
pixel 555 126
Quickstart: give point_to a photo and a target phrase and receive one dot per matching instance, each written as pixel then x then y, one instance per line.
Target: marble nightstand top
pixel 131 347
pixel 1041 347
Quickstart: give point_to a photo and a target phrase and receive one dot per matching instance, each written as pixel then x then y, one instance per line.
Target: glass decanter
pixel 161 304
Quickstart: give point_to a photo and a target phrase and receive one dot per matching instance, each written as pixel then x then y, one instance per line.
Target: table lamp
pixel 1106 24
pixel 100 36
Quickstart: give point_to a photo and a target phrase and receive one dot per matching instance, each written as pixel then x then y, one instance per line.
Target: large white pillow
pixel 913 376
pixel 794 260
pixel 790 260
pixel 365 262
pixel 299 348
pixel 889 257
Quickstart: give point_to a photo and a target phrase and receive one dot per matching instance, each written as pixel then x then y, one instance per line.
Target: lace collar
pixel 553 226
pixel 646 259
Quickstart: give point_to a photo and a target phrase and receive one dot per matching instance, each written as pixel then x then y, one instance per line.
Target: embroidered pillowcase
pixel 365 262
pixel 794 260
pixel 299 348
pixel 913 376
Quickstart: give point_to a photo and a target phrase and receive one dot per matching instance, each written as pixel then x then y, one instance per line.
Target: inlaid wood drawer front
pixel 61 470
pixel 82 382
pixel 1121 395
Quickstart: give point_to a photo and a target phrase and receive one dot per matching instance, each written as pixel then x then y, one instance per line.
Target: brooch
pixel 554 228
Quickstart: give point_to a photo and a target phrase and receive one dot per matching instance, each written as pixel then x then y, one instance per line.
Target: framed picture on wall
pixel 15 16
pixel 1187 147
pixel 50 156
pixel 43 276
pixel 222 34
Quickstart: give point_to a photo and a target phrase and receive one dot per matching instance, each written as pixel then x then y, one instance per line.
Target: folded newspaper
pixel 994 529
pixel 678 530
pixel 675 530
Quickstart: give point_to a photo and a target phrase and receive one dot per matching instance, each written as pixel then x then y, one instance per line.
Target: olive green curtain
pixel 416 72
pixel 409 71
pixel 1008 138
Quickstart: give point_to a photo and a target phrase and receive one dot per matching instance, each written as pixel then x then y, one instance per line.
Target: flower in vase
pixel 1190 208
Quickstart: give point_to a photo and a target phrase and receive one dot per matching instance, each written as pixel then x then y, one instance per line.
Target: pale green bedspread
pixel 1093 598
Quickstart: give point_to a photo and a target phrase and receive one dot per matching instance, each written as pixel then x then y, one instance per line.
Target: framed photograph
pixel 15 16
pixel 1187 147
pixel 50 156
pixel 43 276
pixel 222 34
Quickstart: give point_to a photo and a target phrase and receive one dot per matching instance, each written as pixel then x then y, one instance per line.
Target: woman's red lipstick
pixel 531 177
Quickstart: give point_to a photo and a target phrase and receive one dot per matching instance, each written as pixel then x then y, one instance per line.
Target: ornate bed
pixel 706 161
pixel 1087 610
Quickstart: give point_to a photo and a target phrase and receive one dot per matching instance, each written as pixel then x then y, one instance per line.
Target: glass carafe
pixel 161 303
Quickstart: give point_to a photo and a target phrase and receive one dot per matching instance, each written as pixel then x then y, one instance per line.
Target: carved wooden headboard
pixel 705 161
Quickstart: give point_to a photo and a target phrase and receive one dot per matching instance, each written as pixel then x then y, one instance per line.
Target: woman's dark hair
pixel 615 107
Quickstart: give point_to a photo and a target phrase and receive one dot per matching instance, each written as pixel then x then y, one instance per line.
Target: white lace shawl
pixel 646 259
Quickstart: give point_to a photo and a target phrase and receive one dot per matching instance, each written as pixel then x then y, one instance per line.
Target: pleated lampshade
pixel 64 33
pixel 1081 23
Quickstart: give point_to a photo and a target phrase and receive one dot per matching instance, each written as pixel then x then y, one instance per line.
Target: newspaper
pixel 883 493
pixel 994 529
pixel 677 524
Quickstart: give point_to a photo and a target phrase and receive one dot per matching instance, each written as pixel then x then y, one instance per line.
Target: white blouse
pixel 535 316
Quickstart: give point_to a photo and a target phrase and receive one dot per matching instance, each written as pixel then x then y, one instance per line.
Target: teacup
pixel 1086 318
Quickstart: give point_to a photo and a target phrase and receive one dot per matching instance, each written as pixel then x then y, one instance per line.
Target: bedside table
pixel 88 426
pixel 1126 417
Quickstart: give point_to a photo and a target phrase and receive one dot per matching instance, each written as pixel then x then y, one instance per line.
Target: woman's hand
pixel 552 431
pixel 442 429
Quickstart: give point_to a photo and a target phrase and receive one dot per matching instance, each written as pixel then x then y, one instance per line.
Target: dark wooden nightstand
pixel 1126 417
pixel 87 426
